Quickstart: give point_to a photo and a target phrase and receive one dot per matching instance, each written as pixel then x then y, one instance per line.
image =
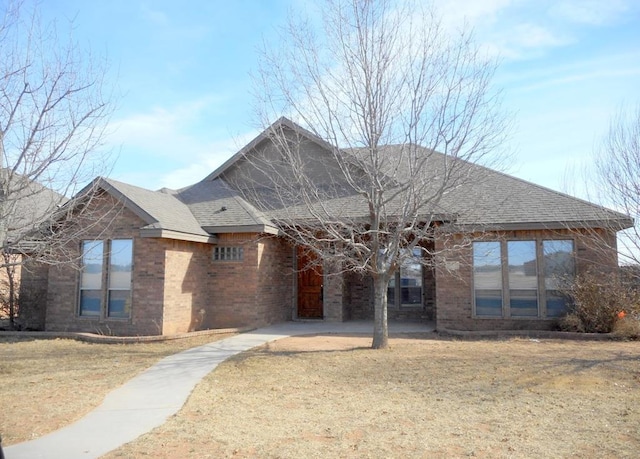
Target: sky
pixel 182 72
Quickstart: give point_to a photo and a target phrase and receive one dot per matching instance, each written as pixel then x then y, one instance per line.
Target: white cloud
pixel 591 12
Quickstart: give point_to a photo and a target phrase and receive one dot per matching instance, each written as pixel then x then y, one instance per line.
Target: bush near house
pixel 603 303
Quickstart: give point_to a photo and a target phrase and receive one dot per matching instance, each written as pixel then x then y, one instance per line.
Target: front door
pixel 310 282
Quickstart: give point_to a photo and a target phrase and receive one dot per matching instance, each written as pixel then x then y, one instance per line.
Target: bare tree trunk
pixel 380 331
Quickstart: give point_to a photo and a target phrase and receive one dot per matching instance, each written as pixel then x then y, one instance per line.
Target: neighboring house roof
pixel 28 205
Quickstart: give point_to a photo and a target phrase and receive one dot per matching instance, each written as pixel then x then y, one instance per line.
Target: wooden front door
pixel 310 282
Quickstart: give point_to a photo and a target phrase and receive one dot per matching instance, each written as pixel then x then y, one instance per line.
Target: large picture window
pixel 105 280
pixel 521 279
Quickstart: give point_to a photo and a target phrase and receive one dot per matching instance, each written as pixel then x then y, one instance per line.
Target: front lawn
pixel 331 396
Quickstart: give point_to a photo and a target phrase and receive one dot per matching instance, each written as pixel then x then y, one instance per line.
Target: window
pixel 409 282
pixel 228 253
pixel 119 294
pixel 487 278
pixel 115 258
pixel 558 266
pixel 521 278
pixel 91 278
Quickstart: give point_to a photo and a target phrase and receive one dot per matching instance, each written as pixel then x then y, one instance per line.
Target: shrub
pixel 597 300
pixel 627 327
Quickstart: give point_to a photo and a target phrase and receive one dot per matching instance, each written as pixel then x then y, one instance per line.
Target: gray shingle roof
pixel 215 205
pixel 482 197
pixel 160 210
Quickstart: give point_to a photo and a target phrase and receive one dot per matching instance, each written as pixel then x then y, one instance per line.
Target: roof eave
pixel 616 225
pixel 265 229
pixel 178 235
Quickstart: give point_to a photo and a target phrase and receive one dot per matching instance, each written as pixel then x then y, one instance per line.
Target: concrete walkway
pixel 146 401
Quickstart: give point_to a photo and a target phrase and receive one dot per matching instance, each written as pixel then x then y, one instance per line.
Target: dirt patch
pixel 332 396
pixel 47 384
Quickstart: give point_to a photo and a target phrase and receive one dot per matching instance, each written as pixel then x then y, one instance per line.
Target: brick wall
pixel 186 299
pixel 275 294
pixel 454 294
pixel 257 290
pixel 33 294
pixel 147 282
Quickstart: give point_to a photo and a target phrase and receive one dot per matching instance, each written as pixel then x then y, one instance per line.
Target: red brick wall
pixel 454 294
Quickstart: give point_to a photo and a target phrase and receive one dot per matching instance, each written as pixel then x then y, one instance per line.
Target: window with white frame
pixel 228 253
pixel 405 289
pixel 105 280
pixel 521 278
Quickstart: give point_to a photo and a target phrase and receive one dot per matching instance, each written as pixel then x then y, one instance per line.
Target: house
pixel 25 206
pixel 205 256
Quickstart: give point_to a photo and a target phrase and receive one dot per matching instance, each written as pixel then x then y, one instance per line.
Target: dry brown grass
pixel 47 384
pixel 333 397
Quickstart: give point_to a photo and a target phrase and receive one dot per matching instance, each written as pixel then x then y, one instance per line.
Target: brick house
pixel 172 261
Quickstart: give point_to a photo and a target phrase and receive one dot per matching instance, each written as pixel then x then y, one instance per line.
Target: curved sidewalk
pixel 146 401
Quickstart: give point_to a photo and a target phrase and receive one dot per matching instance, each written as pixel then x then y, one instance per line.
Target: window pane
pixel 487 278
pixel 91 278
pixel 90 302
pixel 119 303
pixel 120 260
pixel 558 263
pixel 411 281
pixel 489 302
pixel 523 278
pixel 559 267
pixel 91 265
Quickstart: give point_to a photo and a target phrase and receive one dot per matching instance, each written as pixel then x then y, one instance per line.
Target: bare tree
pixel 400 107
pixel 616 174
pixel 53 113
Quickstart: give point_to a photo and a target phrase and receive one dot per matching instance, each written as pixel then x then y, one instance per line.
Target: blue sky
pixel 183 71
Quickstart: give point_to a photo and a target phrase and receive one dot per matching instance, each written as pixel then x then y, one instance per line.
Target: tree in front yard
pixel 402 105
pixel 53 113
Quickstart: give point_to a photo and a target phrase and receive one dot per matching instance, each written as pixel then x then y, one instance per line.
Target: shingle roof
pixel 215 205
pixel 481 197
pixel 29 204
pixel 160 210
pixel 484 197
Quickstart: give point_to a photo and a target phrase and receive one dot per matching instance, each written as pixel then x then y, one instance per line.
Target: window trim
pixel 505 290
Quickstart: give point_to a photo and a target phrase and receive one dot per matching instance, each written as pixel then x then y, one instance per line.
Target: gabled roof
pixel 164 214
pixel 486 199
pixel 281 123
